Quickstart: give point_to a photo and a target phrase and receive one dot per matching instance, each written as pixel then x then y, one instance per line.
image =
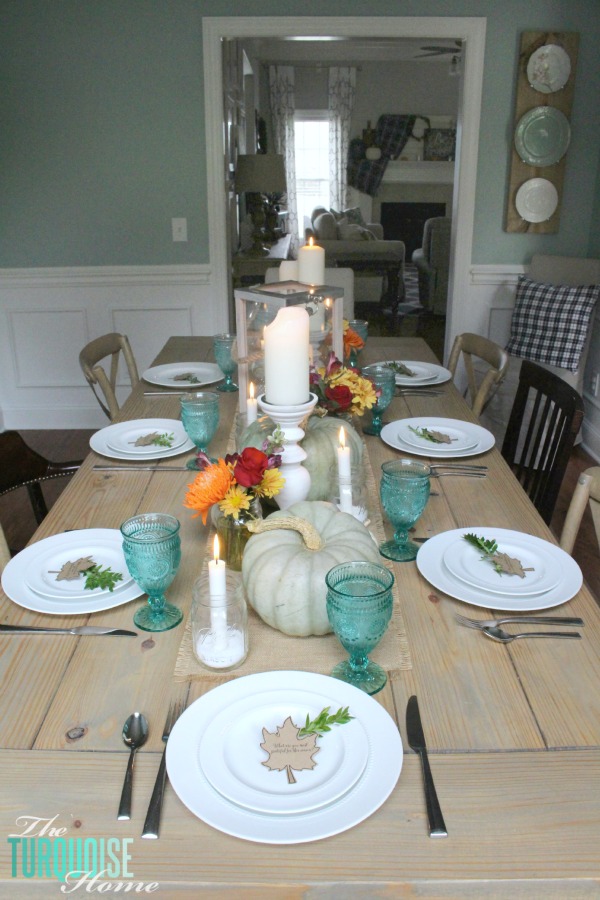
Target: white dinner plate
pixel 425 374
pixel 124 441
pixel 536 200
pixel 41 576
pixel 17 569
pixel 170 375
pixel 392 435
pixel 460 439
pixel 232 760
pixel 543 569
pixel 105 440
pixel 430 563
pixel 368 794
pixel 548 68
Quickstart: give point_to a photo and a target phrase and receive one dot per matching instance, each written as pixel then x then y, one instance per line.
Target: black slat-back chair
pixel 540 434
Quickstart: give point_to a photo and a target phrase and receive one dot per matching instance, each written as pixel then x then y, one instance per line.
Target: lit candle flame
pixel 251 390
pixel 310 242
pixel 342 437
pixel 216 548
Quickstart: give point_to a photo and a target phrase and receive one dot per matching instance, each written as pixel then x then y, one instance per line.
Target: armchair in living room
pixel 432 260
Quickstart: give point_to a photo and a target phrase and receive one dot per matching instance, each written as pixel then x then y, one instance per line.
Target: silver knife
pixel 78 629
pixel 416 739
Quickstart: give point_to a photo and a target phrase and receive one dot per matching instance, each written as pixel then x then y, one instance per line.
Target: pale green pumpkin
pixel 320 442
pixel 288 556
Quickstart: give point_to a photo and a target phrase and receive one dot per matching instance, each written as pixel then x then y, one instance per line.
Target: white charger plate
pixel 368 794
pixel 391 435
pixel 232 759
pixel 430 563
pixel 426 374
pixel 461 440
pixel 166 375
pixel 536 200
pixel 41 578
pixel 124 441
pixel 101 441
pixel 466 563
pixel 17 569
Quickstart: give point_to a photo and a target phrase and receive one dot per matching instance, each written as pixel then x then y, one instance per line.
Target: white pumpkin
pixel 288 556
pixel 320 442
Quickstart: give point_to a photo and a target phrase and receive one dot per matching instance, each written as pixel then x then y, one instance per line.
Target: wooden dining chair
pixel 540 435
pixel 89 359
pixel 587 490
pixel 22 467
pixel 4 551
pixel 474 346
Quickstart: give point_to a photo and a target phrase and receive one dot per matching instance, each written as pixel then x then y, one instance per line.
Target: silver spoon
pixel 135 732
pixel 498 634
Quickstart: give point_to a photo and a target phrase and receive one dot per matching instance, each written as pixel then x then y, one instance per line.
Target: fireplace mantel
pixel 413 172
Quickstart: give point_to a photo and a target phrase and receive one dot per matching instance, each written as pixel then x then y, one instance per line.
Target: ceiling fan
pixel 440 50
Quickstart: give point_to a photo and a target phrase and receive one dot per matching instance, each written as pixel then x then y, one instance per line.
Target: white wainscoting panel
pixel 48 315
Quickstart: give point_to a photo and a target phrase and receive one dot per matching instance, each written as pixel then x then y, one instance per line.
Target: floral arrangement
pixel 342 389
pixel 352 341
pixel 234 482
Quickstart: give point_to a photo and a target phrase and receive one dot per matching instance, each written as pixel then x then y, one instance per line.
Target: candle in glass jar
pixel 311 264
pixel 286 357
pixel 251 405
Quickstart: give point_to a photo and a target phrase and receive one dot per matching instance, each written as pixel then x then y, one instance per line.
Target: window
pixel 311 141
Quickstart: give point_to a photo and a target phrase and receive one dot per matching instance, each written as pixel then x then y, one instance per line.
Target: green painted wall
pixel 102 128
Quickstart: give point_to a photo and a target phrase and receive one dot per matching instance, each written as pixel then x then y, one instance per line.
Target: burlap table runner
pixel 270 650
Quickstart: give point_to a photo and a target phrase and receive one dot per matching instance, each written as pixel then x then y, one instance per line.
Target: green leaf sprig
pixel 164 440
pixel 324 721
pixel 97 577
pixel 436 437
pixel 399 368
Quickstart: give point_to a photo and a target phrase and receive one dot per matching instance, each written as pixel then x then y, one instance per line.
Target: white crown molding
pixel 105 275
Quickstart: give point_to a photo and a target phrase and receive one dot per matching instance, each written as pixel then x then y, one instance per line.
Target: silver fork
pixel 152 823
pixel 522 620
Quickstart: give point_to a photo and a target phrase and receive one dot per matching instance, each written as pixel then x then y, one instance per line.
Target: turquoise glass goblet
pixel 200 418
pixel 384 381
pixel 222 344
pixel 404 491
pixel 359 608
pixel 152 551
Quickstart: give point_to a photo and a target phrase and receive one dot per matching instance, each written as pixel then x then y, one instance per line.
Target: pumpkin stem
pixel 310 535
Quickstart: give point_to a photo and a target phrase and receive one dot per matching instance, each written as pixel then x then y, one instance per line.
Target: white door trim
pixel 470 30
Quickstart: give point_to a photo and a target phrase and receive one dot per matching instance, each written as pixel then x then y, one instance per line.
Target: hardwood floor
pixel 19 524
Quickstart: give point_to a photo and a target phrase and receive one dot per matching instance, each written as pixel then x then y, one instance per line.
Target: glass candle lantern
pixel 258 306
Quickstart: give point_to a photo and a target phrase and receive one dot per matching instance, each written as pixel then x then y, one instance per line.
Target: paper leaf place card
pixel 429 434
pixel 502 562
pixel 154 438
pixel 95 576
pixel 290 748
pixel 400 369
pixel 187 376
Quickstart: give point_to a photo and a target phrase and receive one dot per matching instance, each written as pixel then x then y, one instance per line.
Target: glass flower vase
pixel 233 533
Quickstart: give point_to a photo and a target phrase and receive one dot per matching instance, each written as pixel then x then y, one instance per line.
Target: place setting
pixel 184 376
pixel 497 568
pixel 142 440
pixel 411 373
pixel 437 437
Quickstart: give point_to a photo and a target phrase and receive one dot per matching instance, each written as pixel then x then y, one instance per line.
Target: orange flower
pixel 352 340
pixel 208 487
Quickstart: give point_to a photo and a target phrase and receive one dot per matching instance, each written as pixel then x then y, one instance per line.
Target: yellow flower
pixel 364 395
pixel 235 500
pixel 271 484
pixel 208 487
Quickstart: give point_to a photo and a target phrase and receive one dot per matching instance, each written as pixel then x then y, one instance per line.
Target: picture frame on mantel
pixel 543 100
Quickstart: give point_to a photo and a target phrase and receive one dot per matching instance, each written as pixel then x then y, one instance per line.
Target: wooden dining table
pixel 513 731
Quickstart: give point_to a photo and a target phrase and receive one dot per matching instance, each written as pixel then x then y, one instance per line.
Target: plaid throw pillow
pixel 550 322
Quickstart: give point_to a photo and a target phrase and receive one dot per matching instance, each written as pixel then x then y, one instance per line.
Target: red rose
pixel 250 467
pixel 340 395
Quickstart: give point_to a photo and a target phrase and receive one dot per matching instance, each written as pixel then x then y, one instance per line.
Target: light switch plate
pixel 179 227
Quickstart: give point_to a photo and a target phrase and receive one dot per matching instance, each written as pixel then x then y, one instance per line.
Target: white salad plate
pixel 103 441
pixel 431 565
pixel 186 756
pixel 76 543
pixel 460 439
pixel 425 374
pixel 170 375
pixel 393 434
pixel 41 576
pixel 123 441
pixel 548 68
pixel 232 760
pixel 536 200
pixel 542 567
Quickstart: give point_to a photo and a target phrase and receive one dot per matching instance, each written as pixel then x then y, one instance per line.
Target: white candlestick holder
pixel 297 478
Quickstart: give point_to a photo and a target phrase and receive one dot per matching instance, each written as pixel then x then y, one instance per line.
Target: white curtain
pixel 281 87
pixel 342 89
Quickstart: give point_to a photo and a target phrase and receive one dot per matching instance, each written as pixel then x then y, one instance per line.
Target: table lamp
pixel 256 175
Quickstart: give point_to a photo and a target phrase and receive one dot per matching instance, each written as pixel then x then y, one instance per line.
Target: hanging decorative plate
pixel 548 69
pixel 536 200
pixel 542 136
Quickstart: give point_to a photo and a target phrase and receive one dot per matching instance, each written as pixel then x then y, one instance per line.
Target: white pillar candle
pixel 217 573
pixel 286 358
pixel 251 406
pixel 311 264
pixel 288 270
pixel 344 474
